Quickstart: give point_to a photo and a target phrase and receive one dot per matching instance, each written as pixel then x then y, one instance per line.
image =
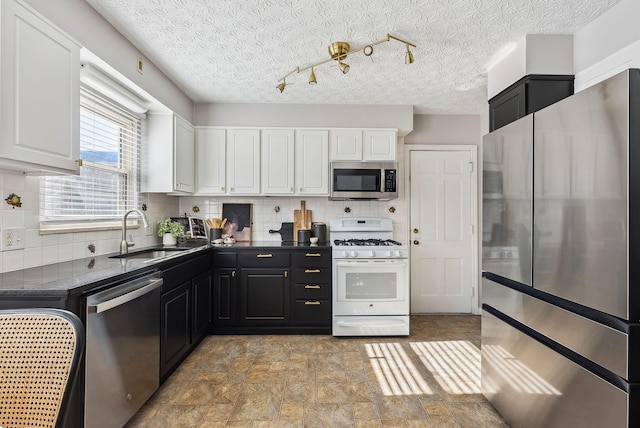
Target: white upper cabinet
pixel 183 170
pixel 379 145
pixel 278 161
pixel 312 162
pixel 346 144
pixel 168 155
pixel 211 161
pixel 39 93
pixel 243 161
pixel 367 145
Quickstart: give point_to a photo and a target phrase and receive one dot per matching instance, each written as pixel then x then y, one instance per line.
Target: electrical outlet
pixel 13 238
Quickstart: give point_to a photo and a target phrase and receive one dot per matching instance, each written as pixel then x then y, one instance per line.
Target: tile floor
pixel 429 379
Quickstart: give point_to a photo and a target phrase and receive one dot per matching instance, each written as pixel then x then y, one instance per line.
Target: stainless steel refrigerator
pixel 561 261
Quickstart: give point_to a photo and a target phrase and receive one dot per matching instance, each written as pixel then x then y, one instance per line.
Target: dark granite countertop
pixel 78 276
pixel 270 244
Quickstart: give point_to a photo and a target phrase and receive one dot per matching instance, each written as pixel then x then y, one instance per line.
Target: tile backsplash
pixel 60 247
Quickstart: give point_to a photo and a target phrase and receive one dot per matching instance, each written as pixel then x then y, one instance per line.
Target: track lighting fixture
pixel 338 51
pixel 408 58
pixel 312 78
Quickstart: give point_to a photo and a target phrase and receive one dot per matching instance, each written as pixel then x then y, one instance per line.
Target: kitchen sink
pixel 151 253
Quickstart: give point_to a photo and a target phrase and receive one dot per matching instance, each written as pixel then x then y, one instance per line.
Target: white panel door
pixel 312 162
pixel 277 161
pixel 441 232
pixel 211 161
pixel 243 161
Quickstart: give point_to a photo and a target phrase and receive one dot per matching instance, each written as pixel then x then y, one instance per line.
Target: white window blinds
pixel 108 184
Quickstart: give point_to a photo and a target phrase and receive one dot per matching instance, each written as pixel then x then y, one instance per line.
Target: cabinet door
pixel 40 93
pixel 312 162
pixel 201 286
pixel 243 161
pixel 211 160
pixel 379 145
pixel 346 144
pixel 184 156
pixel 175 330
pixel 264 297
pixel 277 161
pixel 225 297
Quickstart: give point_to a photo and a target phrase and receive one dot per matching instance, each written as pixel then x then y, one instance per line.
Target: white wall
pixel 78 19
pixel 607 45
pixel 445 129
pixel 532 54
pixel 306 115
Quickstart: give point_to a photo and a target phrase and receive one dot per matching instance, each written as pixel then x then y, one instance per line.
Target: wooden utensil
pixel 301 219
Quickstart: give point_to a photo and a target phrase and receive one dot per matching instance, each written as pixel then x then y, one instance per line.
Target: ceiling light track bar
pixel 343 50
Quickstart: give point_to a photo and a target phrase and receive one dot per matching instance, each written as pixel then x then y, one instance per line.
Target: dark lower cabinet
pixel 175 333
pixel 201 304
pixel 186 312
pixel 272 290
pixel 225 290
pixel 264 296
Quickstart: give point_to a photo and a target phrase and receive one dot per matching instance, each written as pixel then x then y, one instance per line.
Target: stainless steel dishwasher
pixel 122 350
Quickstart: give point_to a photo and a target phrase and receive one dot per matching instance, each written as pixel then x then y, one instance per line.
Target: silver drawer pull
pixel 312 286
pixel 313 255
pixel 312 271
pixel 262 256
pixel 315 303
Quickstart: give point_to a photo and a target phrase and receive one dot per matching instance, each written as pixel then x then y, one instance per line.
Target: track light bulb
pixel 408 58
pixel 281 86
pixel 343 67
pixel 312 77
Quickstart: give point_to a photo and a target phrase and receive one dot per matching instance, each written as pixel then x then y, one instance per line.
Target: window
pixel 108 184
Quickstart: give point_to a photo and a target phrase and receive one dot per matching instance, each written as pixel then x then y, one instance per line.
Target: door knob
pixel 416 242
pixel 415 230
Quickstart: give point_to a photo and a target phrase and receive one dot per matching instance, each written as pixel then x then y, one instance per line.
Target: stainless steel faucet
pixel 124 245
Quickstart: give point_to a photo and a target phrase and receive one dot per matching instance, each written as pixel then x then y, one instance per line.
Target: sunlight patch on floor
pixel 455 364
pixel 396 373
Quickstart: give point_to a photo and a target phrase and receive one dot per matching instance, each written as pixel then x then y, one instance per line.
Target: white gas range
pixel 370 278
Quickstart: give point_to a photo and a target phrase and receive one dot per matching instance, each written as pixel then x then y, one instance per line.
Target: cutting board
pixel 301 220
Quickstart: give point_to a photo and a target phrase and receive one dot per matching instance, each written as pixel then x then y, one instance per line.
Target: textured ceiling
pixel 236 51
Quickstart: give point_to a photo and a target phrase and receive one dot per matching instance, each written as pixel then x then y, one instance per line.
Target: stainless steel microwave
pixel 363 180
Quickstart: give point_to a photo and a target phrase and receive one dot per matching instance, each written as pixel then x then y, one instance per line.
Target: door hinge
pixel 471 229
pixel 470 167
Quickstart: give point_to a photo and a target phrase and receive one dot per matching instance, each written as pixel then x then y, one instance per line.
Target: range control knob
pixel 388 254
pixel 345 254
pixel 354 254
pixel 396 253
pixel 372 253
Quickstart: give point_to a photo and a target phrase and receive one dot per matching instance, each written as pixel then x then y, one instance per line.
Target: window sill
pixel 70 227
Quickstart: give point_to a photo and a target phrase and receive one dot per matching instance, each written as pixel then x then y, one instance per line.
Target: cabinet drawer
pixel 264 258
pixel 312 312
pixel 312 257
pixel 221 259
pixel 312 290
pixel 313 275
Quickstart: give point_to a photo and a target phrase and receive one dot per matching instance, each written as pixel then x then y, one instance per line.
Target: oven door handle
pixel 376 262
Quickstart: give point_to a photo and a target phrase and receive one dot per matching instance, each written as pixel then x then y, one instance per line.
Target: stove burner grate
pixel 366 242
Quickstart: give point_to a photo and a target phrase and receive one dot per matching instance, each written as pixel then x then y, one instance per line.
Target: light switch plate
pixel 13 238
